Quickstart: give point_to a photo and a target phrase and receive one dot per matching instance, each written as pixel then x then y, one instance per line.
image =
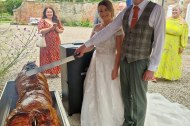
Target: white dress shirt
pixel 156 20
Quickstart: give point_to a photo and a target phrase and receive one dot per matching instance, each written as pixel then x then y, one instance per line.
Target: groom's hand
pixel 148 75
pixel 80 51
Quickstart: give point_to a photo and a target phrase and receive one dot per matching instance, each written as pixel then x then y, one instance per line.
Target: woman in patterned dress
pixel 50 27
pixel 175 42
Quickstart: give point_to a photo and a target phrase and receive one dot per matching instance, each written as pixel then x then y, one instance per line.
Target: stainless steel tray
pixel 8 103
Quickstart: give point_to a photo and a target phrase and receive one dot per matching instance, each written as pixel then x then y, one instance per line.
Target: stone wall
pixel 32 9
pixel 78 12
pixel 66 11
pixel 69 12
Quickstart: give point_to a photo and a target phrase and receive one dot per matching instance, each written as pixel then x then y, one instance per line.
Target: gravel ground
pixel 175 91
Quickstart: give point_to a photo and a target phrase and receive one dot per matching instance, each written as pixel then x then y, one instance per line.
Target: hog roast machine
pixel 9 98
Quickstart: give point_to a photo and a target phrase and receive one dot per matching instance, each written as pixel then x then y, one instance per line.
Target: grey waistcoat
pixel 137 43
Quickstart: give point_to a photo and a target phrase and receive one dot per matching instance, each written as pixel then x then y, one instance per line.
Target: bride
pixel 102 103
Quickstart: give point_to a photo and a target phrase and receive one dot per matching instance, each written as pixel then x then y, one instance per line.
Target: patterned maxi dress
pixel 51 52
pixel 176 37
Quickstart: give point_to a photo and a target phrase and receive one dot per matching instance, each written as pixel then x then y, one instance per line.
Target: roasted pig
pixel 34 106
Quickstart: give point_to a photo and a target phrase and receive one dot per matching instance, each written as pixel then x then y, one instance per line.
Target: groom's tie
pixel 135 16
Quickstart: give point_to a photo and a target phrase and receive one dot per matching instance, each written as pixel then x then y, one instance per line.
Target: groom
pixel 144 27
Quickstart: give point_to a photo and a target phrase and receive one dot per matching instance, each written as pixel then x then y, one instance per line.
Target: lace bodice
pixel 109 46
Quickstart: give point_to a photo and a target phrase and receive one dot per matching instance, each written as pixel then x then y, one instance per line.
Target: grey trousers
pixel 134 90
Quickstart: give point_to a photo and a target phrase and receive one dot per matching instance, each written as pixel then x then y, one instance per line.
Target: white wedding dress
pixel 102 103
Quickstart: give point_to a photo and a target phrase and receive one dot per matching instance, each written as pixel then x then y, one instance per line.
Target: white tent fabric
pixel 187 18
pixel 162 112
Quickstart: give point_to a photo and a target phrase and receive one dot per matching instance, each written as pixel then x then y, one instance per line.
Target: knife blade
pixel 50 65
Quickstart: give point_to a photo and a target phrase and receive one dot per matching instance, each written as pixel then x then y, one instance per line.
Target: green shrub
pixel 10 5
pixel 5 17
pixel 85 23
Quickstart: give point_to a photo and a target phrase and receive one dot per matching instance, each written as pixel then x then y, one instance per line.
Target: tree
pixel 2 8
pixel 10 5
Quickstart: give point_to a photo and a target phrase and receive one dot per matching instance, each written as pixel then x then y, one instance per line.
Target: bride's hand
pixel 80 51
pixel 114 74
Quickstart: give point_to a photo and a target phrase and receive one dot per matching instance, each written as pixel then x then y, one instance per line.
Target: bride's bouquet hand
pixel 114 74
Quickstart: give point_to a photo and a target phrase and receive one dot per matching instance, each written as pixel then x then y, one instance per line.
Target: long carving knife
pixel 50 65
